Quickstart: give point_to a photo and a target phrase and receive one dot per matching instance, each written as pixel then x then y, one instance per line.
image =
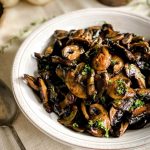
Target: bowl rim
pixel 34 118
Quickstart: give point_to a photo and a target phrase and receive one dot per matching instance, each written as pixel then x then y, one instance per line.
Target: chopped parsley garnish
pixel 86 70
pixel 121 87
pixel 136 104
pixel 99 124
pixel 75 125
pixel 90 123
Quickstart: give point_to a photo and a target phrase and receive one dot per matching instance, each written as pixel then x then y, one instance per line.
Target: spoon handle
pixel 15 134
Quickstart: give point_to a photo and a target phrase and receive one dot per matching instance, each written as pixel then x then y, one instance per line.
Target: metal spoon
pixel 8 111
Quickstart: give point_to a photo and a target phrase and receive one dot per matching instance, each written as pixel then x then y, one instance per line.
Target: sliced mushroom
pixel 43 90
pixel 138 39
pixel 118 127
pixel 139 110
pixel 81 72
pixel 144 94
pixel 116 37
pixel 60 72
pixel 79 41
pixel 48 51
pixel 127 38
pixel 72 52
pixel 32 82
pixel 76 33
pixel 134 71
pixel 76 88
pixel 84 111
pixel 100 123
pixel 115 116
pixel 60 34
pixel 101 81
pixel 141 47
pixel 77 128
pixel 67 120
pixel 137 122
pixel 52 94
pixel 58 59
pixel 123 52
pixel 91 91
pixel 117 64
pixel 117 87
pixel 69 100
pixel 102 60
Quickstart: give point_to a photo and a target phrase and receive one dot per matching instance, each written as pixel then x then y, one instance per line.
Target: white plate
pixel 36 42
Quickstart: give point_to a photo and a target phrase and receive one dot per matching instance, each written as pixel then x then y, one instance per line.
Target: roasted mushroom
pixel 117 64
pixel 72 52
pixel 76 88
pixel 99 124
pixel 133 71
pixel 118 87
pixel 95 79
pixel 102 60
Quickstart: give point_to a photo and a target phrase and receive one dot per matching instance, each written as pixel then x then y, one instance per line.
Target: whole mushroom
pixel 38 2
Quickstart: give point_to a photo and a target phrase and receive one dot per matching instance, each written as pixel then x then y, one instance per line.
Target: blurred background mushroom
pixel 9 3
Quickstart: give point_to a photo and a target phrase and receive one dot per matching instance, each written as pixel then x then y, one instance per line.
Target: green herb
pixel 103 99
pixel 121 87
pixel 136 104
pixel 75 125
pixel 117 102
pixel 90 123
pixel 86 70
pixel 100 124
pixel 107 133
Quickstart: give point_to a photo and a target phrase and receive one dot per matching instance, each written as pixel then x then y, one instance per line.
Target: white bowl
pixel 36 42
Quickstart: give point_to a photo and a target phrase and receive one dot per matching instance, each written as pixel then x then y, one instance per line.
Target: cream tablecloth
pixel 15 22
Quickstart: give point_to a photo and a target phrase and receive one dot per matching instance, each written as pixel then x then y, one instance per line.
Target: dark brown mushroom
pixel 69 100
pixel 60 72
pixel 60 34
pixel 117 64
pixel 133 71
pixel 76 88
pixel 32 82
pixel 84 111
pixel 123 52
pixel 59 60
pixel 118 126
pixel 127 38
pixel 102 60
pixel 118 87
pixel 48 51
pixel 91 90
pixel 144 94
pixel 99 124
pixel 141 47
pixel 68 120
pixel 72 52
pixel 101 81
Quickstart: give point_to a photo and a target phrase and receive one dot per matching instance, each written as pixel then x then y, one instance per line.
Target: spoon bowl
pixel 8 106
pixel 8 111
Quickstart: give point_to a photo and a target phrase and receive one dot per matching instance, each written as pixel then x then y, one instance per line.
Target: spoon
pixel 8 111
